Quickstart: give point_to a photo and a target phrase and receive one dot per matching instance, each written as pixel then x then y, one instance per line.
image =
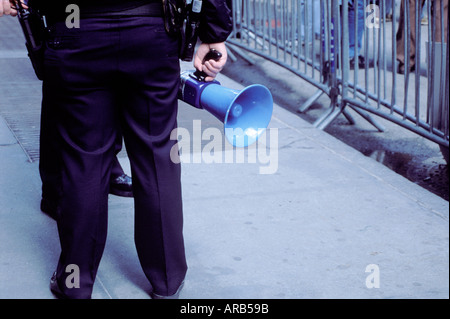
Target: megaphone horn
pixel 245 114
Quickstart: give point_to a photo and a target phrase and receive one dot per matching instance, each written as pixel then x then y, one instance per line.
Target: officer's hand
pixel 211 67
pixel 8 7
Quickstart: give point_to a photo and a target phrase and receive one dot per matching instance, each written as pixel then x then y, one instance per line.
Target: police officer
pixel 120 68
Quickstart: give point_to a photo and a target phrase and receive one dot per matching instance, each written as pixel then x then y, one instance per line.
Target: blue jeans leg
pixel 359 11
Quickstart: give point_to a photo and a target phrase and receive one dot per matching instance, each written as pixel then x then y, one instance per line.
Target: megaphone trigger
pixel 200 75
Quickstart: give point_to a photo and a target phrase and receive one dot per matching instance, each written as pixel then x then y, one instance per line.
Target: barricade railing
pixel 315 40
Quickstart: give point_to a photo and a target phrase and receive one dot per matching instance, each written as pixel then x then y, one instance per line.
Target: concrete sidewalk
pixel 309 230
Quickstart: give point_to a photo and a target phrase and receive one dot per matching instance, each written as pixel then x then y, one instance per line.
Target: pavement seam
pixel 17 140
pixel 103 286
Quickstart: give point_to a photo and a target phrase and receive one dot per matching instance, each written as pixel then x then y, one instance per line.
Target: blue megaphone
pixel 245 114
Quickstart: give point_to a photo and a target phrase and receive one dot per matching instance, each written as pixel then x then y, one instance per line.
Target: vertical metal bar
pixel 417 64
pixel 313 37
pixel 383 14
pixel 356 69
pixel 269 25
pixel 277 44
pixel 407 36
pixel 345 48
pixel 283 29
pixel 287 32
pixel 263 23
pixel 374 54
pixel 327 32
pixel 247 20
pixel 443 47
pixel 242 21
pixel 336 37
pixel 244 27
pixel 394 58
pixel 262 9
pixel 253 17
pixel 259 26
pixel 331 38
pixel 429 72
pixel 234 13
pixel 292 24
pixel 305 31
pixel 366 53
pixel 299 33
pixel 378 66
pixel 445 115
pixel 433 54
pixel 237 19
pixel 321 39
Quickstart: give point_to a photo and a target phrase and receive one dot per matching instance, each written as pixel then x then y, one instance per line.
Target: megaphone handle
pixel 211 55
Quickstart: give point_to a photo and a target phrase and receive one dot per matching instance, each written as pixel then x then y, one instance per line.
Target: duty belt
pixel 153 9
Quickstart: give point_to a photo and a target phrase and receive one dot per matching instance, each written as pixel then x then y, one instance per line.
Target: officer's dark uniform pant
pixel 116 70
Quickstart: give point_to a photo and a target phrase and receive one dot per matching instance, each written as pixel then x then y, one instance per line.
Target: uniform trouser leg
pixel 134 62
pixel 86 154
pixel 149 116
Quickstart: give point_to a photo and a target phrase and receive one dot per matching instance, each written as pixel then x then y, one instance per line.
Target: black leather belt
pixel 153 9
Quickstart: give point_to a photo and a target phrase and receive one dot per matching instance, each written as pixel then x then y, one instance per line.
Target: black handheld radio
pixel 190 29
pixel 33 27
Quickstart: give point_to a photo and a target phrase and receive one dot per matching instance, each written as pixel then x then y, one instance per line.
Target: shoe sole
pixel 120 193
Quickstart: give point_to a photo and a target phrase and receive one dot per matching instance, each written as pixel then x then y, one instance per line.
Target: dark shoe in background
pixel 401 68
pixel 121 186
pixel 361 63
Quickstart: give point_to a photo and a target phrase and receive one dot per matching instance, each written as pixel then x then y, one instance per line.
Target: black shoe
pixel 361 63
pixel 121 186
pixel 352 64
pixel 50 208
pixel 401 68
pixel 54 288
pixel 174 296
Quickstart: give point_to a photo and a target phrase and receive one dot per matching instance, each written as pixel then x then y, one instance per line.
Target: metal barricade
pixel 316 40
